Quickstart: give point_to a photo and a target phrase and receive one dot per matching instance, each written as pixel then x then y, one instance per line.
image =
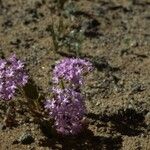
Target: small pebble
pixel 26 138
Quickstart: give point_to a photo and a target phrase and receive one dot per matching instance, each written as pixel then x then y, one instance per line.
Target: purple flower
pixel 12 76
pixel 71 70
pixel 67 106
pixel 68 109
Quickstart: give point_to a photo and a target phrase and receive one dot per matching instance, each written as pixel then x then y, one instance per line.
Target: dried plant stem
pixel 54 36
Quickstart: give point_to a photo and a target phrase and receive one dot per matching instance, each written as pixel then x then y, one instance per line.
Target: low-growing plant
pixel 66 107
pixel 14 81
pixel 63 35
pixel 12 77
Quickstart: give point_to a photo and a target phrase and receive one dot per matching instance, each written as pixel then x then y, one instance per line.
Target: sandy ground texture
pixel 117 41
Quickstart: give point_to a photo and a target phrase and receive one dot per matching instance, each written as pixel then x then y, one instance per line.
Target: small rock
pixel 147 119
pixel 59 146
pixel 26 138
pixel 137 87
pixel 134 43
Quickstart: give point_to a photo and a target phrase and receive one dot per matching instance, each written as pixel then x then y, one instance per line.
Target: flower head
pixel 68 109
pixel 12 76
pixel 71 70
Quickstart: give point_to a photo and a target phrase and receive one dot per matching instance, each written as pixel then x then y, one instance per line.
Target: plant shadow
pixel 127 122
pixel 31 90
pixel 84 141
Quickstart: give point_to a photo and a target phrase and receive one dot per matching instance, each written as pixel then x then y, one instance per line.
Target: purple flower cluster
pixel 12 76
pixel 71 70
pixel 67 107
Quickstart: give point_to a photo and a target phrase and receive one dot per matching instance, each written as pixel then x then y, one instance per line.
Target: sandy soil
pixel 117 41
